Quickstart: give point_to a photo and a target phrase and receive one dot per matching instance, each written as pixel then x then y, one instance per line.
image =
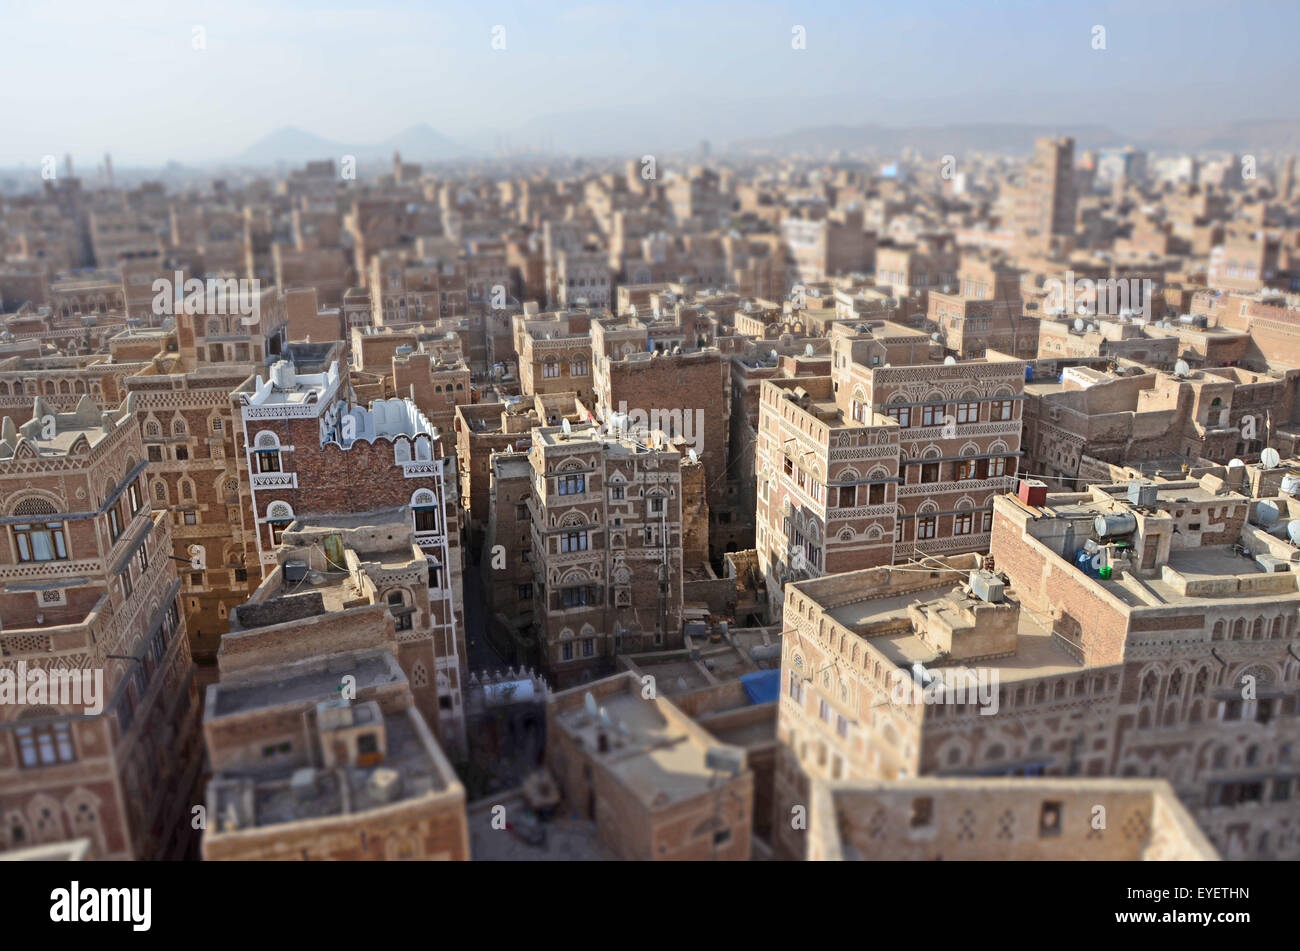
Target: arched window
pixel 424 506
pixel 42 538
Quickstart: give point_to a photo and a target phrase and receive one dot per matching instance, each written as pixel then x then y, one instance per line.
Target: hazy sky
pixel 95 75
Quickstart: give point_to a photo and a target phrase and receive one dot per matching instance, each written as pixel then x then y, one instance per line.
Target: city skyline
pixel 351 76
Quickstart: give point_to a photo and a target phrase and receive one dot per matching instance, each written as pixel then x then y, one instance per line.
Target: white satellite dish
pixel 935 337
pixel 1270 457
pixel 949 361
pixel 774 355
pixel 1293 530
pixel 808 350
pixel 1266 513
pixel 1079 324
pixel 1181 368
pixel 568 430
pixel 1236 464
pixel 695 456
pixel 590 703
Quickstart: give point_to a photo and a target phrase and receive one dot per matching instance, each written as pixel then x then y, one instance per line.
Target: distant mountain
pixel 423 142
pixel 1243 135
pixel 419 143
pixel 1009 138
pixel 289 145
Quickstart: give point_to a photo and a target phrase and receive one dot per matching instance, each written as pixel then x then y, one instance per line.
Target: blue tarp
pixel 763 686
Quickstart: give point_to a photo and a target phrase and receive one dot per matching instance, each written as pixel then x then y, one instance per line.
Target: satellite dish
pixel 604 717
pixel 1270 457
pixel 808 350
pixel 695 456
pixel 590 703
pixel 935 337
pixel 949 361
pixel 1236 464
pixel 1293 531
pixel 774 355
pixel 568 430
pixel 1266 513
pixel 1181 368
pixel 1079 324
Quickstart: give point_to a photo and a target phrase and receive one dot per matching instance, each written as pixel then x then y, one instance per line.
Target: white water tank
pixel 282 374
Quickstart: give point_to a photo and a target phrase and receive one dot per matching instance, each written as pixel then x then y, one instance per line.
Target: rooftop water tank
pixel 1116 523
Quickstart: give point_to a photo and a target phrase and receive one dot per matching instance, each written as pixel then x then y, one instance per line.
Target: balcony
pixel 274 480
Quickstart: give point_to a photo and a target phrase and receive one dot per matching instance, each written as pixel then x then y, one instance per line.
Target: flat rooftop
pixel 1038 653
pixel 335 792
pixel 319 681
pixel 659 764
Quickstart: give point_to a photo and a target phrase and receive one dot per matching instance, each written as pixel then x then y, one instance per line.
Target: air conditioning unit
pixel 1142 493
pixel 987 586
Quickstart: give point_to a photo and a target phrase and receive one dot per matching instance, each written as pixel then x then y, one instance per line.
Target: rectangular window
pixel 566 650
pixel 1000 410
pixel 550 370
pixel 571 485
pixel 997 466
pixel 268 461
pixel 932 415
pixel 968 412
pixel 841 725
pixel 588 647
pixel 900 414
pixel 575 597
pixel 966 469
pixel 114 524
pixel 573 541
pixel 925 527
pixel 426 519
pixel 963 523
pixel 42 541
pixel 616 493
pixel 45 745
pixel 929 472
pixel 876 495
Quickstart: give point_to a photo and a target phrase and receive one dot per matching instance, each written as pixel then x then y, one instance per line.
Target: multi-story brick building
pixel 303 769
pixel 963 818
pixel 554 353
pixel 307 452
pixel 89 601
pixel 606 526
pixel 880 463
pixel 657 785
pixel 1203 638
